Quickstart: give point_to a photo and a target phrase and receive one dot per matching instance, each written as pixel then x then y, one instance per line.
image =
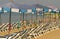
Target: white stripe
pixel 0 8
pixel 37 13
pixel 39 9
pixel 50 10
pixel 29 10
pixel 5 11
pixel 14 10
pixel 20 12
pixel 54 10
pixel 32 12
pixel 57 11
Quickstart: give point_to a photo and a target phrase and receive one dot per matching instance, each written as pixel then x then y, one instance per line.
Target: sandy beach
pixel 51 35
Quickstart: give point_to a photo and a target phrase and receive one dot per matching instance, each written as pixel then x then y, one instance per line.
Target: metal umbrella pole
pixel 23 18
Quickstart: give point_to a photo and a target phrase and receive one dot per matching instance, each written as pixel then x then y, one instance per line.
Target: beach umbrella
pixel 15 10
pixel 50 10
pixel 59 13
pixel 8 10
pixel 45 11
pixel 33 13
pixel 23 11
pixel 34 10
pixel 39 12
pixel 40 15
pixel 54 12
pixel 29 11
pixel 1 11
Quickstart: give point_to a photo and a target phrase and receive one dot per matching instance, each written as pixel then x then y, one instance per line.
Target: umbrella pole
pixel 23 18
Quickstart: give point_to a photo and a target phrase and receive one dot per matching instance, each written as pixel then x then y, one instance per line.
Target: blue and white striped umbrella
pixel 6 9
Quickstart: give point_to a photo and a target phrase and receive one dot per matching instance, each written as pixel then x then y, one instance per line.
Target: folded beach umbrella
pixel 28 15
pixel 23 11
pixel 34 11
pixel 8 10
pixel 16 10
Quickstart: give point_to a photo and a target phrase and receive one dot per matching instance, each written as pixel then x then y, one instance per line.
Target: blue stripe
pixel 45 9
pixel 23 10
pixel 6 9
pixel 33 9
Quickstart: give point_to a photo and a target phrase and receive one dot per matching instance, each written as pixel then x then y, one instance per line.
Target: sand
pixel 51 35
